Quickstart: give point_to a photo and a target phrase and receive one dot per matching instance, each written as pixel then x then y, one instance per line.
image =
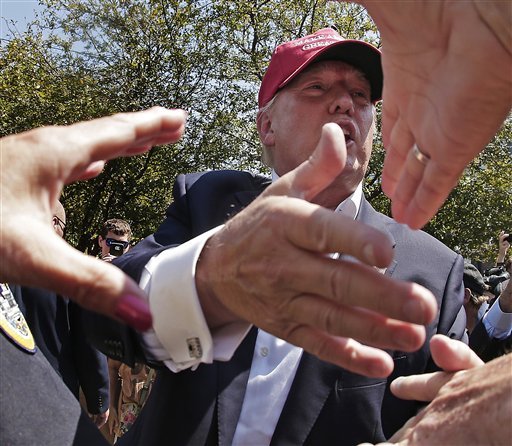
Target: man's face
pixel 105 249
pixel 330 91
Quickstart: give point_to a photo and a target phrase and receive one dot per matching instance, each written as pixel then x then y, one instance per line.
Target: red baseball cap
pixel 291 58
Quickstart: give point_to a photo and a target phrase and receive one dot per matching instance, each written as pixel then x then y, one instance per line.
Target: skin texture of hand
pixel 447 88
pixel 503 246
pixel 100 419
pixel 35 166
pixel 269 265
pixel 469 407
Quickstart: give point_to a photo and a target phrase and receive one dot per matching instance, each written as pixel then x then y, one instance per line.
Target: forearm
pixel 500 259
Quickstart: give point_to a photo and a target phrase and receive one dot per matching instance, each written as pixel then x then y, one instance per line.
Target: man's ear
pixel 100 239
pixel 467 295
pixel 264 124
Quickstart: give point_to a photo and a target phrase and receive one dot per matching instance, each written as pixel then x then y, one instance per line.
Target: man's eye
pixel 315 87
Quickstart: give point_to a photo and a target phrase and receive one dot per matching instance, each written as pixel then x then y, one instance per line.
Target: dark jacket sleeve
pixel 91 364
pixel 201 202
pixel 488 348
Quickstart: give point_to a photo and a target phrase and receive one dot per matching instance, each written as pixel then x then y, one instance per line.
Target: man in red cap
pixel 307 260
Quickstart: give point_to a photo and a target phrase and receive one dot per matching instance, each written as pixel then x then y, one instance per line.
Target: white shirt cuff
pixel 180 336
pixel 497 323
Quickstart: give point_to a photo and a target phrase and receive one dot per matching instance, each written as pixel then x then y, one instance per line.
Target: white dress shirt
pixel 497 323
pixel 181 339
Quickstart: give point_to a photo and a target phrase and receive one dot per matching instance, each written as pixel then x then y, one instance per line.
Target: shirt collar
pixel 350 206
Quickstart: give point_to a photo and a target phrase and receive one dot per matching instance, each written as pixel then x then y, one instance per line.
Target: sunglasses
pixel 58 222
pixel 113 241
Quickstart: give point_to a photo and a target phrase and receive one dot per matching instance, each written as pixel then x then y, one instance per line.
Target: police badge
pixel 13 323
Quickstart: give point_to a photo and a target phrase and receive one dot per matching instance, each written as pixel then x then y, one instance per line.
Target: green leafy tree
pixel 84 59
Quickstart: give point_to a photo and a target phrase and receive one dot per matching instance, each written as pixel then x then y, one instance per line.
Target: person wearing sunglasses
pixel 114 239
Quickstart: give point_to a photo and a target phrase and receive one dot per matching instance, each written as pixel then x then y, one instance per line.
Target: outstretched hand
pixel 270 266
pixel 451 356
pixel 469 399
pixel 480 392
pixel 447 91
pixel 35 166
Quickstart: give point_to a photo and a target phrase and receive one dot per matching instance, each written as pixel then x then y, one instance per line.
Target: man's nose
pixel 342 102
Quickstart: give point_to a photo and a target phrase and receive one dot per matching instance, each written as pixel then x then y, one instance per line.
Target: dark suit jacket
pixel 326 404
pixel 486 347
pixel 57 326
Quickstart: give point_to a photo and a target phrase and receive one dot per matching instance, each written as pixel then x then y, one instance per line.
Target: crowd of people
pixel 283 310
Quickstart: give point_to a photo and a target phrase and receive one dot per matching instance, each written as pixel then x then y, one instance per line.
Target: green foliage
pixel 85 59
pixel 481 205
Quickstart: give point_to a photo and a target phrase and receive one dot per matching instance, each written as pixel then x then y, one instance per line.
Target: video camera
pixel 117 247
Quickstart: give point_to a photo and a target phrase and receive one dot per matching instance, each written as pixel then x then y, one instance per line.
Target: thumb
pixel 452 355
pixel 90 282
pixel 315 174
pixel 448 354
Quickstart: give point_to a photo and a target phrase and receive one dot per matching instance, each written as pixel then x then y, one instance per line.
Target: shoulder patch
pixel 12 322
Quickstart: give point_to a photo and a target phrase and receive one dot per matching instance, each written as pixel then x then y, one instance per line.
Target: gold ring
pixel 419 155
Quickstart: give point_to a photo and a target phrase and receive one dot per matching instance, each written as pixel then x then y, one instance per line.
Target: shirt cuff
pixel 180 336
pixel 497 323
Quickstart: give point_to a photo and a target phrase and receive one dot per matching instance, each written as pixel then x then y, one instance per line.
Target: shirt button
pixel 263 351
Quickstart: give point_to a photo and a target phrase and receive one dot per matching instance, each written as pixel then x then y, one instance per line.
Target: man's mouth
pixel 348 138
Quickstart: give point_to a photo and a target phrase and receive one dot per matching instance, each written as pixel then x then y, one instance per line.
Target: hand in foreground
pixel 473 406
pixel 35 165
pixel 269 265
pixel 100 419
pixel 447 91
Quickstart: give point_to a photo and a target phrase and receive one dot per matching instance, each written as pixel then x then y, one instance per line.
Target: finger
pixel 92 283
pixel 115 135
pixel 123 134
pixel 420 387
pixel 410 178
pixel 318 172
pixel 397 148
pixel 393 164
pixel 390 116
pixel 363 325
pixel 452 355
pixel 317 229
pixel 434 188
pixel 91 171
pixel 352 284
pixel 346 353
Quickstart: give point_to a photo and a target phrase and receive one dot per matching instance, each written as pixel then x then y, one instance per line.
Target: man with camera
pixel 114 239
pixel 497 276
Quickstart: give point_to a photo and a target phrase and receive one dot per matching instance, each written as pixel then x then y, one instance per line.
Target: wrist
pixel 215 312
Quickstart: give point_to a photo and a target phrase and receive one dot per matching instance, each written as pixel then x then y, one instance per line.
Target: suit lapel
pixel 311 387
pixel 371 217
pixel 316 379
pixel 233 377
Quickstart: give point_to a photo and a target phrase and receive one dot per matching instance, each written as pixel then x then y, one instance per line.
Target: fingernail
pixel 396 384
pixel 380 370
pixel 135 312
